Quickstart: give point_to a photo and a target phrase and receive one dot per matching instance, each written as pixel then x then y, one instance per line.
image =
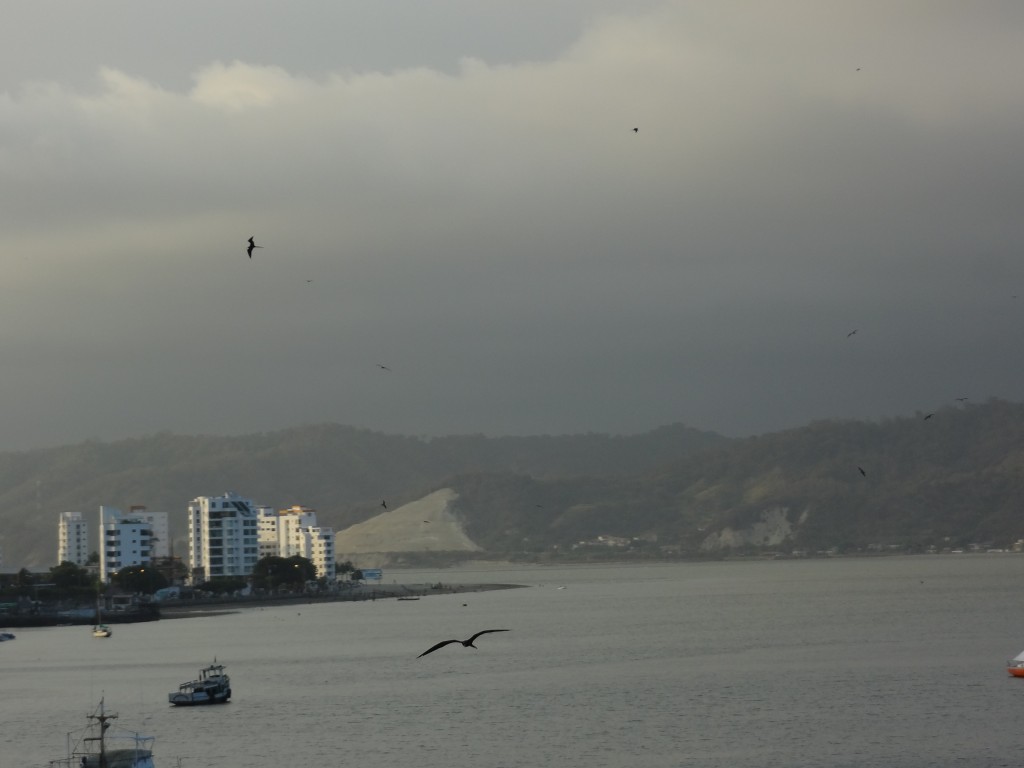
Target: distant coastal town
pixel 125 568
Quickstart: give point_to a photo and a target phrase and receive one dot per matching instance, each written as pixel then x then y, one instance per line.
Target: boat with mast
pixel 100 629
pixel 94 747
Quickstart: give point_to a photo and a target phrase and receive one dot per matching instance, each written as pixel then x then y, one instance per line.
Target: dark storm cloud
pixel 493 229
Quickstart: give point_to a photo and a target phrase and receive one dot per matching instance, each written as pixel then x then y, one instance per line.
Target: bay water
pixel 889 661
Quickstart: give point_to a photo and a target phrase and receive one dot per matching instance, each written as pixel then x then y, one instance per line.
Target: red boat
pixel 1015 666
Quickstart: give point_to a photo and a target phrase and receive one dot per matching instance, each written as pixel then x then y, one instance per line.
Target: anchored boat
pixel 213 686
pixel 99 629
pixel 94 747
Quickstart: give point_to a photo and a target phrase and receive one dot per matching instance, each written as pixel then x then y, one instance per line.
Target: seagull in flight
pixel 861 470
pixel 928 416
pixel 465 643
pixel 960 399
pixel 384 503
pixel 252 244
pixel 636 130
pixel 851 333
pixel 383 367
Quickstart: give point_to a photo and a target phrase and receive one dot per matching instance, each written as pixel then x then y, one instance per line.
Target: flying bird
pixel 928 416
pixel 861 470
pixel 636 130
pixel 383 367
pixel 960 399
pixel 252 244
pixel 851 333
pixel 465 643
pixel 384 504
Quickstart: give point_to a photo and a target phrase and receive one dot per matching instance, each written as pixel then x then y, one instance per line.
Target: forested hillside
pixel 951 479
pixel 342 472
pixel 948 480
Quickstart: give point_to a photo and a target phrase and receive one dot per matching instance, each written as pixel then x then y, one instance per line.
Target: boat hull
pixel 198 699
pixel 1016 671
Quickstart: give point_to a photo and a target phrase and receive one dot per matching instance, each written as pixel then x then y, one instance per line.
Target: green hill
pixel 340 471
pixel 947 481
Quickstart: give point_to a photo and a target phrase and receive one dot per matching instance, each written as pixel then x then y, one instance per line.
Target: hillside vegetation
pixel 342 472
pixel 947 481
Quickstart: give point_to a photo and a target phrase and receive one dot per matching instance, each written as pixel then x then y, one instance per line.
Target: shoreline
pixel 184 609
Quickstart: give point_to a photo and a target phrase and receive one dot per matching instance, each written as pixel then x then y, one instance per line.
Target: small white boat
pixel 213 686
pixel 100 629
pixel 97 746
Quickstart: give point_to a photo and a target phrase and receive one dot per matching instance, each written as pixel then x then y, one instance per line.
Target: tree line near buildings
pixel 70 583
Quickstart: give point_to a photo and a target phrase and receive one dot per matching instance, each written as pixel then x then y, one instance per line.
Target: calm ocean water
pixel 895 662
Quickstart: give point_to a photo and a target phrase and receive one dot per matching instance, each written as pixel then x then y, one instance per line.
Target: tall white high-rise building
pixel 72 538
pixel 223 536
pixel 130 539
pixel 290 532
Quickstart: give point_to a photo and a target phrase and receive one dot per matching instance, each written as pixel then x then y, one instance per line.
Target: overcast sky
pixel 454 189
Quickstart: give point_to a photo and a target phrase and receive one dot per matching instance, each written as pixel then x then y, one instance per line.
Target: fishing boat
pixel 1015 666
pixel 213 686
pixel 95 747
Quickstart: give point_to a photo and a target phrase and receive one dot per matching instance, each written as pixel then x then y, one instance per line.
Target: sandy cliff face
pixel 424 525
pixel 770 531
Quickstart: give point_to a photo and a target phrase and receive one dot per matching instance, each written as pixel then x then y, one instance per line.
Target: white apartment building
pixel 72 538
pixel 223 536
pixel 130 539
pixel 290 532
pixel 267 526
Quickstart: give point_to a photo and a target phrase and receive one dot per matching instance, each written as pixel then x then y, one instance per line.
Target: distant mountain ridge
pixel 954 479
pixel 948 481
pixel 342 472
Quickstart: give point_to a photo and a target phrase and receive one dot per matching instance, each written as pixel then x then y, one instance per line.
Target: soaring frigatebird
pixel 465 643
pixel 252 245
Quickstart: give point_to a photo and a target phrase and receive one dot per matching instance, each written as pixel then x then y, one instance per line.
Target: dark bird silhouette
pixel 861 470
pixel 465 643
pixel 636 130
pixel 384 504
pixel 851 333
pixel 383 367
pixel 252 244
pixel 928 416
pixel 960 399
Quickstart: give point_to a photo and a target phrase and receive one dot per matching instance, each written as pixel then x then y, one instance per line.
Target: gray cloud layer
pixel 471 207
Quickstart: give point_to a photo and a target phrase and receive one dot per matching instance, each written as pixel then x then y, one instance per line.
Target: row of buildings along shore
pixel 227 535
